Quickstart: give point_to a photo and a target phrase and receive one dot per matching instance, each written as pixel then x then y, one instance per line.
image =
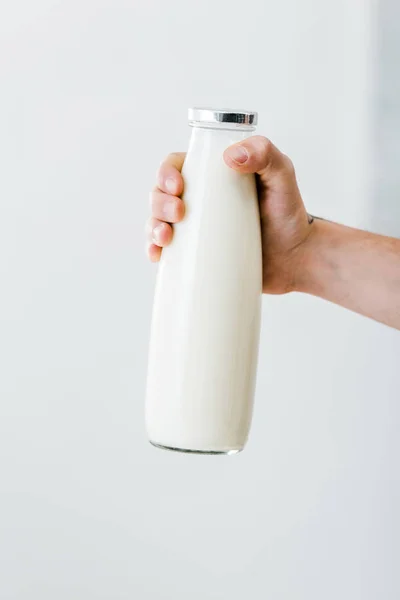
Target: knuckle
pixel 264 153
pixel 265 145
pixel 168 163
pixel 173 156
pixel 262 147
pixel 288 165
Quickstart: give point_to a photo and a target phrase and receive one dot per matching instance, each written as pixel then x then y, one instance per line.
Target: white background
pixel 93 95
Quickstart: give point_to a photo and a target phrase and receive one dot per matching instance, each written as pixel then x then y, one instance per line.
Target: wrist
pixel 306 271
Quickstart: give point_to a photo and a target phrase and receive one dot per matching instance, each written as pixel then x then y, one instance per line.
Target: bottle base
pixel 190 451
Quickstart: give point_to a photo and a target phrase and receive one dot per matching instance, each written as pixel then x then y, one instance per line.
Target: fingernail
pixel 239 154
pixel 170 185
pixel 157 234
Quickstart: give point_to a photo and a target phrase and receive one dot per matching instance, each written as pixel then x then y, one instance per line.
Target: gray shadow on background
pixel 386 121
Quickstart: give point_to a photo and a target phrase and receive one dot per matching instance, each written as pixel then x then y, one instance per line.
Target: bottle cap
pixel 223 115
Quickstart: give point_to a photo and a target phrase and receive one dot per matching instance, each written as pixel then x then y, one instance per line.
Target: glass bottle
pixel 206 315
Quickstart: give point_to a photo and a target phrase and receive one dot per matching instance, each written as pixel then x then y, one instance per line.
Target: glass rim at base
pixel 191 451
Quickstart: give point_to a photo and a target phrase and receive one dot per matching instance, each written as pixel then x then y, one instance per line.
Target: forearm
pixel 353 268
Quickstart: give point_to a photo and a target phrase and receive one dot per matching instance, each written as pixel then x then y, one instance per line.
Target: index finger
pixel 169 178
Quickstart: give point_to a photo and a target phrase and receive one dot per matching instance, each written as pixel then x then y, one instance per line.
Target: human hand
pixel 284 221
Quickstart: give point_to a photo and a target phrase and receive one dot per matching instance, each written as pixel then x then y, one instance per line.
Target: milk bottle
pixel 206 315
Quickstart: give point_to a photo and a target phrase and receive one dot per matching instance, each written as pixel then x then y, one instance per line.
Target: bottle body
pixel 206 315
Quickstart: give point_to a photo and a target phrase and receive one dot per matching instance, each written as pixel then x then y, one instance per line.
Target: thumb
pixel 258 154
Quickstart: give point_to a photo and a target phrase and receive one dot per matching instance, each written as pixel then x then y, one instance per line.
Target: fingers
pixel 166 208
pixel 154 252
pixel 158 232
pixel 169 178
pixel 257 154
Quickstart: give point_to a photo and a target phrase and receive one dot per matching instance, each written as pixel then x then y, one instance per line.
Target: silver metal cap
pixel 223 115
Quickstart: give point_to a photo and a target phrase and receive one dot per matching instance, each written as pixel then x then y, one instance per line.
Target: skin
pixel 355 269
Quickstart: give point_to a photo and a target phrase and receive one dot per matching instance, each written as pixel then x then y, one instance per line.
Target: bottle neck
pixel 220 136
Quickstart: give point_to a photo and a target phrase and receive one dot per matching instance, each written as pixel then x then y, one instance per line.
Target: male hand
pixel 284 221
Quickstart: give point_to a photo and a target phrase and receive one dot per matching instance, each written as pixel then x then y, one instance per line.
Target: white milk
pixel 206 319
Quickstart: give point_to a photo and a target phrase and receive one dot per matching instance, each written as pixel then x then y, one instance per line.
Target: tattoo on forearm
pixel 312 217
